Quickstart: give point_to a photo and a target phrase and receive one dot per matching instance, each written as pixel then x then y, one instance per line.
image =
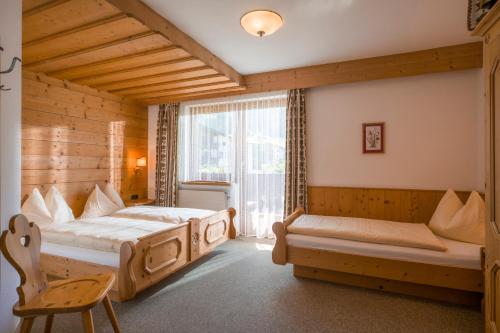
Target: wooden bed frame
pixel 443 283
pixel 153 257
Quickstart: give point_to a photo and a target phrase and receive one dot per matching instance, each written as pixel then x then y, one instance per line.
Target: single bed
pixel 141 246
pixel 454 275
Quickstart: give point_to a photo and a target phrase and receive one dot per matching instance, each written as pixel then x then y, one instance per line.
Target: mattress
pixel 89 255
pixel 101 233
pixel 162 214
pixel 458 254
pixel 416 235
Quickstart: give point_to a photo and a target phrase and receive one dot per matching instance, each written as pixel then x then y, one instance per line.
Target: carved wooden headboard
pixel 402 205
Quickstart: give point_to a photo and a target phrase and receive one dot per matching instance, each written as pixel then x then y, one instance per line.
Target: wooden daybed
pixel 434 281
pixel 153 257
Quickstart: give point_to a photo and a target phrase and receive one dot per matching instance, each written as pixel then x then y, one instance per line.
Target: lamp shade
pixel 261 22
pixel 141 162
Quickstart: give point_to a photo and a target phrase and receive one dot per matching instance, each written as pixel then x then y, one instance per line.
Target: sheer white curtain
pixel 241 142
pixel 206 142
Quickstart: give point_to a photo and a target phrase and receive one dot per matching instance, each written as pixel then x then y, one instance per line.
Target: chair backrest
pixel 21 247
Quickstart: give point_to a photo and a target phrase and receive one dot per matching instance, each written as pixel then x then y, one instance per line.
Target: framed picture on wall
pixel 373 138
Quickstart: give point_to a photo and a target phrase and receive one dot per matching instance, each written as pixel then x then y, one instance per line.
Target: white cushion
pixel 468 223
pixel 449 205
pixel 57 206
pixel 111 193
pixel 98 204
pixel 35 210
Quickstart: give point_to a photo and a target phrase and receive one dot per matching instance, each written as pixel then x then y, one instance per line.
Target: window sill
pixel 205 182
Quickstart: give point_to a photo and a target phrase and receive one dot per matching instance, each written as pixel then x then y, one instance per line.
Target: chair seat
pixel 69 295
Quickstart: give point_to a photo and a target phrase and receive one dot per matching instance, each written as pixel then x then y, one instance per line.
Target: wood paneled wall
pixel 385 204
pixel 75 137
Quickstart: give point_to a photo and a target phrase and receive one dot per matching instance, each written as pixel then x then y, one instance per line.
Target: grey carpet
pixel 238 289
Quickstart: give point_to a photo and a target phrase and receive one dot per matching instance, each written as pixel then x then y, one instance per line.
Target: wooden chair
pixel 37 297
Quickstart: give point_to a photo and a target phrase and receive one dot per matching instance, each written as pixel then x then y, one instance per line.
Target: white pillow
pixel 111 193
pixel 35 210
pixel 449 205
pixel 98 204
pixel 57 206
pixel 468 223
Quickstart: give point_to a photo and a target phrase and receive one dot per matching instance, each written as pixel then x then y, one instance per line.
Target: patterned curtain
pixel 166 155
pixel 295 170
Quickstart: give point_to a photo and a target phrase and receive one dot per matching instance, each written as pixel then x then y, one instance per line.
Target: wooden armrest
pixel 292 217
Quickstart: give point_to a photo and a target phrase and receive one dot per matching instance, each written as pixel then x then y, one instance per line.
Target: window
pixel 243 143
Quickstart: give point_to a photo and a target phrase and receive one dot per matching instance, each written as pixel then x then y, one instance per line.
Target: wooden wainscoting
pixel 75 137
pixel 404 205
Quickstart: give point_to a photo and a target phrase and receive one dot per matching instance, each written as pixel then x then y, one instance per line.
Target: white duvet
pixel 101 233
pixel 162 214
pixel 416 235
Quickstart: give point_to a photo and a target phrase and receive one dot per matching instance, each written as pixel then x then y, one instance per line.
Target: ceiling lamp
pixel 261 22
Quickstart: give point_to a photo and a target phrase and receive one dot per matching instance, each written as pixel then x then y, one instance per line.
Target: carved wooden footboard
pixel 209 232
pixel 142 264
pixel 152 257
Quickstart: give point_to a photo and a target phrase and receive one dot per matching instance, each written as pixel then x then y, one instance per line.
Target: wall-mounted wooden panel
pixel 403 205
pixel 75 137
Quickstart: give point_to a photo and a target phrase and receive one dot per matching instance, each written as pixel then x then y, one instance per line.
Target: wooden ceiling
pixel 123 47
pixel 127 49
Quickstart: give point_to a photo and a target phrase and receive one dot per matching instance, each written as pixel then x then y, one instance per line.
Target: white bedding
pixel 101 233
pixel 89 255
pixel 415 235
pixel 459 254
pixel 162 214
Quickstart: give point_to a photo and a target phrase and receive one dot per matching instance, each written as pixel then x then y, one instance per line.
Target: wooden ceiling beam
pixel 44 7
pixel 146 43
pixel 163 77
pixel 168 84
pixel 194 96
pixel 88 50
pixel 79 71
pixel 135 72
pixel 184 90
pixel 81 28
pixel 156 22
pixel 443 59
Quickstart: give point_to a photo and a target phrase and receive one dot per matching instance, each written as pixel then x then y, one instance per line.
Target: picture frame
pixel 373 138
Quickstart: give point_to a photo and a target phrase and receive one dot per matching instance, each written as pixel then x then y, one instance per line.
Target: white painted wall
pixel 434 132
pixel 152 120
pixel 10 150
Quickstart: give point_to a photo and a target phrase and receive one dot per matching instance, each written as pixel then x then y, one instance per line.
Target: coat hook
pixel 12 65
pixel 10 69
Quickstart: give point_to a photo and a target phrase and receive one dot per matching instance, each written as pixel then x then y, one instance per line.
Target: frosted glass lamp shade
pixel 141 162
pixel 261 22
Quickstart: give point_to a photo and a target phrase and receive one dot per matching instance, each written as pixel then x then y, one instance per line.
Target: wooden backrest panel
pixel 401 205
pixel 20 245
pixel 74 137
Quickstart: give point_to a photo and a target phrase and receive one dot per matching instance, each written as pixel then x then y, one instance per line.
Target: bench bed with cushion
pixel 454 275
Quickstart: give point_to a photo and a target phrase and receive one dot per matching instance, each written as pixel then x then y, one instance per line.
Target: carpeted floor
pixel 238 289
